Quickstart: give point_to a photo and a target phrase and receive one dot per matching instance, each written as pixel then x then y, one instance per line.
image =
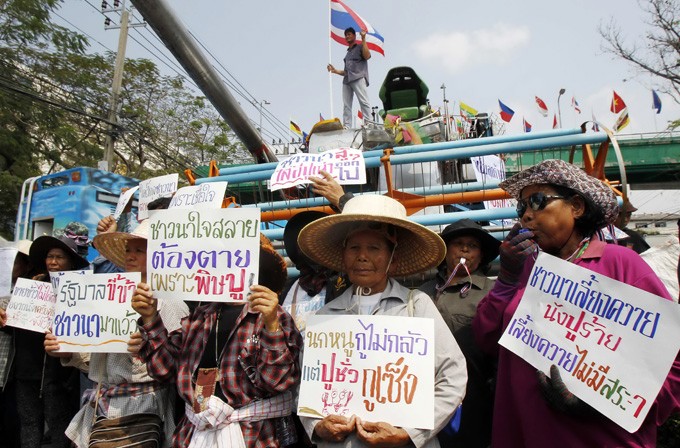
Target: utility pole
pixel 112 133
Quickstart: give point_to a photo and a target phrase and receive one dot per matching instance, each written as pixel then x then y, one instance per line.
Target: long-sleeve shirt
pixel 522 417
pixel 450 374
pixel 255 364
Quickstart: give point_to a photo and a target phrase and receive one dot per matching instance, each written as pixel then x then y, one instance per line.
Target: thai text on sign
pixel 31 306
pixel 203 255
pixel 94 312
pixel 614 343
pixel 154 188
pixel 206 195
pixel 346 165
pixel 379 368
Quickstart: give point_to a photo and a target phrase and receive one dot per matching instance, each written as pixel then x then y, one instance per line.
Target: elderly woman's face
pixel 553 223
pixel 365 258
pixel 465 246
pixel 57 260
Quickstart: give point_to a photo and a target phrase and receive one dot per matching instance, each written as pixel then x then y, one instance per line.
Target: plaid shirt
pixel 255 364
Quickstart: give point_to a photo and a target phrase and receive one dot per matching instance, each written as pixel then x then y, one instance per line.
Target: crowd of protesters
pixel 227 374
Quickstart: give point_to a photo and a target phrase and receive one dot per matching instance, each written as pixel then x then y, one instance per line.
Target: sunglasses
pixel 536 201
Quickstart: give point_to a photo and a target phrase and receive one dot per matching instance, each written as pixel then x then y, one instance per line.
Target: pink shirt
pixel 522 417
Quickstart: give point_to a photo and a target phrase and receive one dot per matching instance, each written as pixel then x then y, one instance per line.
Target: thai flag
pixel 506 112
pixel 542 107
pixel 342 17
pixel 574 104
pixel 555 121
pixel 595 127
pixel 527 125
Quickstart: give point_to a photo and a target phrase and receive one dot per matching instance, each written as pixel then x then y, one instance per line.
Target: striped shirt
pixel 255 364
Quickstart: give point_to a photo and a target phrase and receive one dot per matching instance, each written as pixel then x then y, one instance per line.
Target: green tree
pixel 659 52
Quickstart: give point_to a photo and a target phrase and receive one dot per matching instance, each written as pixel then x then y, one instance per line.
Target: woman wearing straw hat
pixel 561 209
pixel 124 386
pixel 457 290
pixel 235 365
pixel 373 241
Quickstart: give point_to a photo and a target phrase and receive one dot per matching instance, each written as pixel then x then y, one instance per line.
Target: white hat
pixel 418 248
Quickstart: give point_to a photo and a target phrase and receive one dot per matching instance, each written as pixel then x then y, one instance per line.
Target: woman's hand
pixel 514 251
pixel 3 318
pixel 335 428
pixel 381 434
pixel 135 342
pixel 327 187
pixel 144 303
pixel 52 346
pixel 265 301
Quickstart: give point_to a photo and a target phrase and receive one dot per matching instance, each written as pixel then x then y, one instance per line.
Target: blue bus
pixel 73 200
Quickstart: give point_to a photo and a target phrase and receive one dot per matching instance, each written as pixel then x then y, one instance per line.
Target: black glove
pixel 559 397
pixel 514 250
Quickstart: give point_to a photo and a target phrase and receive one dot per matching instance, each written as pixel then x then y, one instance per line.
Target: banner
pixel 492 168
pixel 203 255
pixel 379 368
pixel 152 189
pixel 123 200
pixel 614 343
pixel 346 165
pixel 7 256
pixel 31 306
pixel 205 196
pixel 94 312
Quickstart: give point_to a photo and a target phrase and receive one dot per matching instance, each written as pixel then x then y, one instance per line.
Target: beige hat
pixel 112 244
pixel 418 248
pixel 24 246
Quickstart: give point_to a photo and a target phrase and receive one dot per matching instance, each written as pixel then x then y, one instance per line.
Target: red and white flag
pixel 542 107
pixel 554 121
pixel 617 103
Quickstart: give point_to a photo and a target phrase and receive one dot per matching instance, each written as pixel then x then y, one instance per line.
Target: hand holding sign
pixel 144 303
pixel 51 345
pixel 263 300
pixel 328 187
pixel 335 428
pixel 3 318
pixel 381 434
pixel 135 342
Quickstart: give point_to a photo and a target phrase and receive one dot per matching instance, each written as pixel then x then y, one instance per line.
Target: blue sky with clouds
pixel 481 51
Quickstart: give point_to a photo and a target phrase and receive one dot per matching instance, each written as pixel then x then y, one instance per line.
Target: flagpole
pixel 330 58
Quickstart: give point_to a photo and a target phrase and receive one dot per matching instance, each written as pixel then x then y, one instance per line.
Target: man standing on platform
pixel 355 75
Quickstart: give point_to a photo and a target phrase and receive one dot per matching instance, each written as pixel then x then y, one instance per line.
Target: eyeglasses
pixel 536 201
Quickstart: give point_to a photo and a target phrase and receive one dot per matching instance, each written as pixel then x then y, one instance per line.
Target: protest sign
pixel 94 312
pixel 152 189
pixel 123 200
pixel 204 196
pixel 346 165
pixel 205 255
pixel 31 306
pixel 492 168
pixel 7 256
pixel 614 343
pixel 379 368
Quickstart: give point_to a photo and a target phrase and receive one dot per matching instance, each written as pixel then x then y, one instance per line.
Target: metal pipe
pixel 321 201
pixel 444 154
pixel 175 36
pixel 438 219
pixel 426 147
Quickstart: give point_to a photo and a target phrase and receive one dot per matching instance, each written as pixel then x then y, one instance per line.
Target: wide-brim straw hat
pixel 43 244
pixel 464 227
pixel 112 245
pixel 559 172
pixel 418 248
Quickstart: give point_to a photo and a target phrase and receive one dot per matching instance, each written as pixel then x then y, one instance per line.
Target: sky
pixel 481 52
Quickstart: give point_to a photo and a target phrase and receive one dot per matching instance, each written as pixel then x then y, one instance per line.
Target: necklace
pixel 579 249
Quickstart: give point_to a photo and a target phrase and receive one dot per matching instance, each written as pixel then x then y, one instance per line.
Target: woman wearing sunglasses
pixel 560 209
